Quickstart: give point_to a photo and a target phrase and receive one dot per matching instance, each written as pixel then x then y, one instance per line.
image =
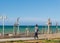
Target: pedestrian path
pixel 14 39
pixel 43 36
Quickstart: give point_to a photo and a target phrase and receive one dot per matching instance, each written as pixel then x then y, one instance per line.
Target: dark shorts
pixel 36 34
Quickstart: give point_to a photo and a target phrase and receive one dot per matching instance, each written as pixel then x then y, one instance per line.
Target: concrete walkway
pixel 14 39
pixel 42 36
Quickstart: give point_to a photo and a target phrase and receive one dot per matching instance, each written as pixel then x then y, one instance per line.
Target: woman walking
pixel 36 32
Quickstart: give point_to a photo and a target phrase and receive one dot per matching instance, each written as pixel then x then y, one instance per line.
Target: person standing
pixel 36 32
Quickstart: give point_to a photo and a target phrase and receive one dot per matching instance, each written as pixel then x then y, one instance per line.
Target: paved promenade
pixel 13 39
pixel 42 36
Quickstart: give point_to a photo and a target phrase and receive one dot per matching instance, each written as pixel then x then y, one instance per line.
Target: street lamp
pixel 3 18
pixel 18 25
pixel 56 27
pixel 49 23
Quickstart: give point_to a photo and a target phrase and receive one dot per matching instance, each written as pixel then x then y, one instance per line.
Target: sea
pixel 22 29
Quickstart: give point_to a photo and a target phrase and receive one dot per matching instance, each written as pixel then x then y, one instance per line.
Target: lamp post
pixel 3 19
pixel 49 23
pixel 48 31
pixel 56 27
pixel 18 25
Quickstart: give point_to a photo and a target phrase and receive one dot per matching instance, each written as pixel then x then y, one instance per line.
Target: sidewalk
pixel 43 36
pixel 14 39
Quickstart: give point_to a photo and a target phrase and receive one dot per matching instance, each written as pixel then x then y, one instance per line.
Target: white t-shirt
pixel 36 28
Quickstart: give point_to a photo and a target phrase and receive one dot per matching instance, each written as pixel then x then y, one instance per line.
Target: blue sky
pixel 31 12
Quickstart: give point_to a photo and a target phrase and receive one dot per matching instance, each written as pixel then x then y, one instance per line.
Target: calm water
pixel 9 29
